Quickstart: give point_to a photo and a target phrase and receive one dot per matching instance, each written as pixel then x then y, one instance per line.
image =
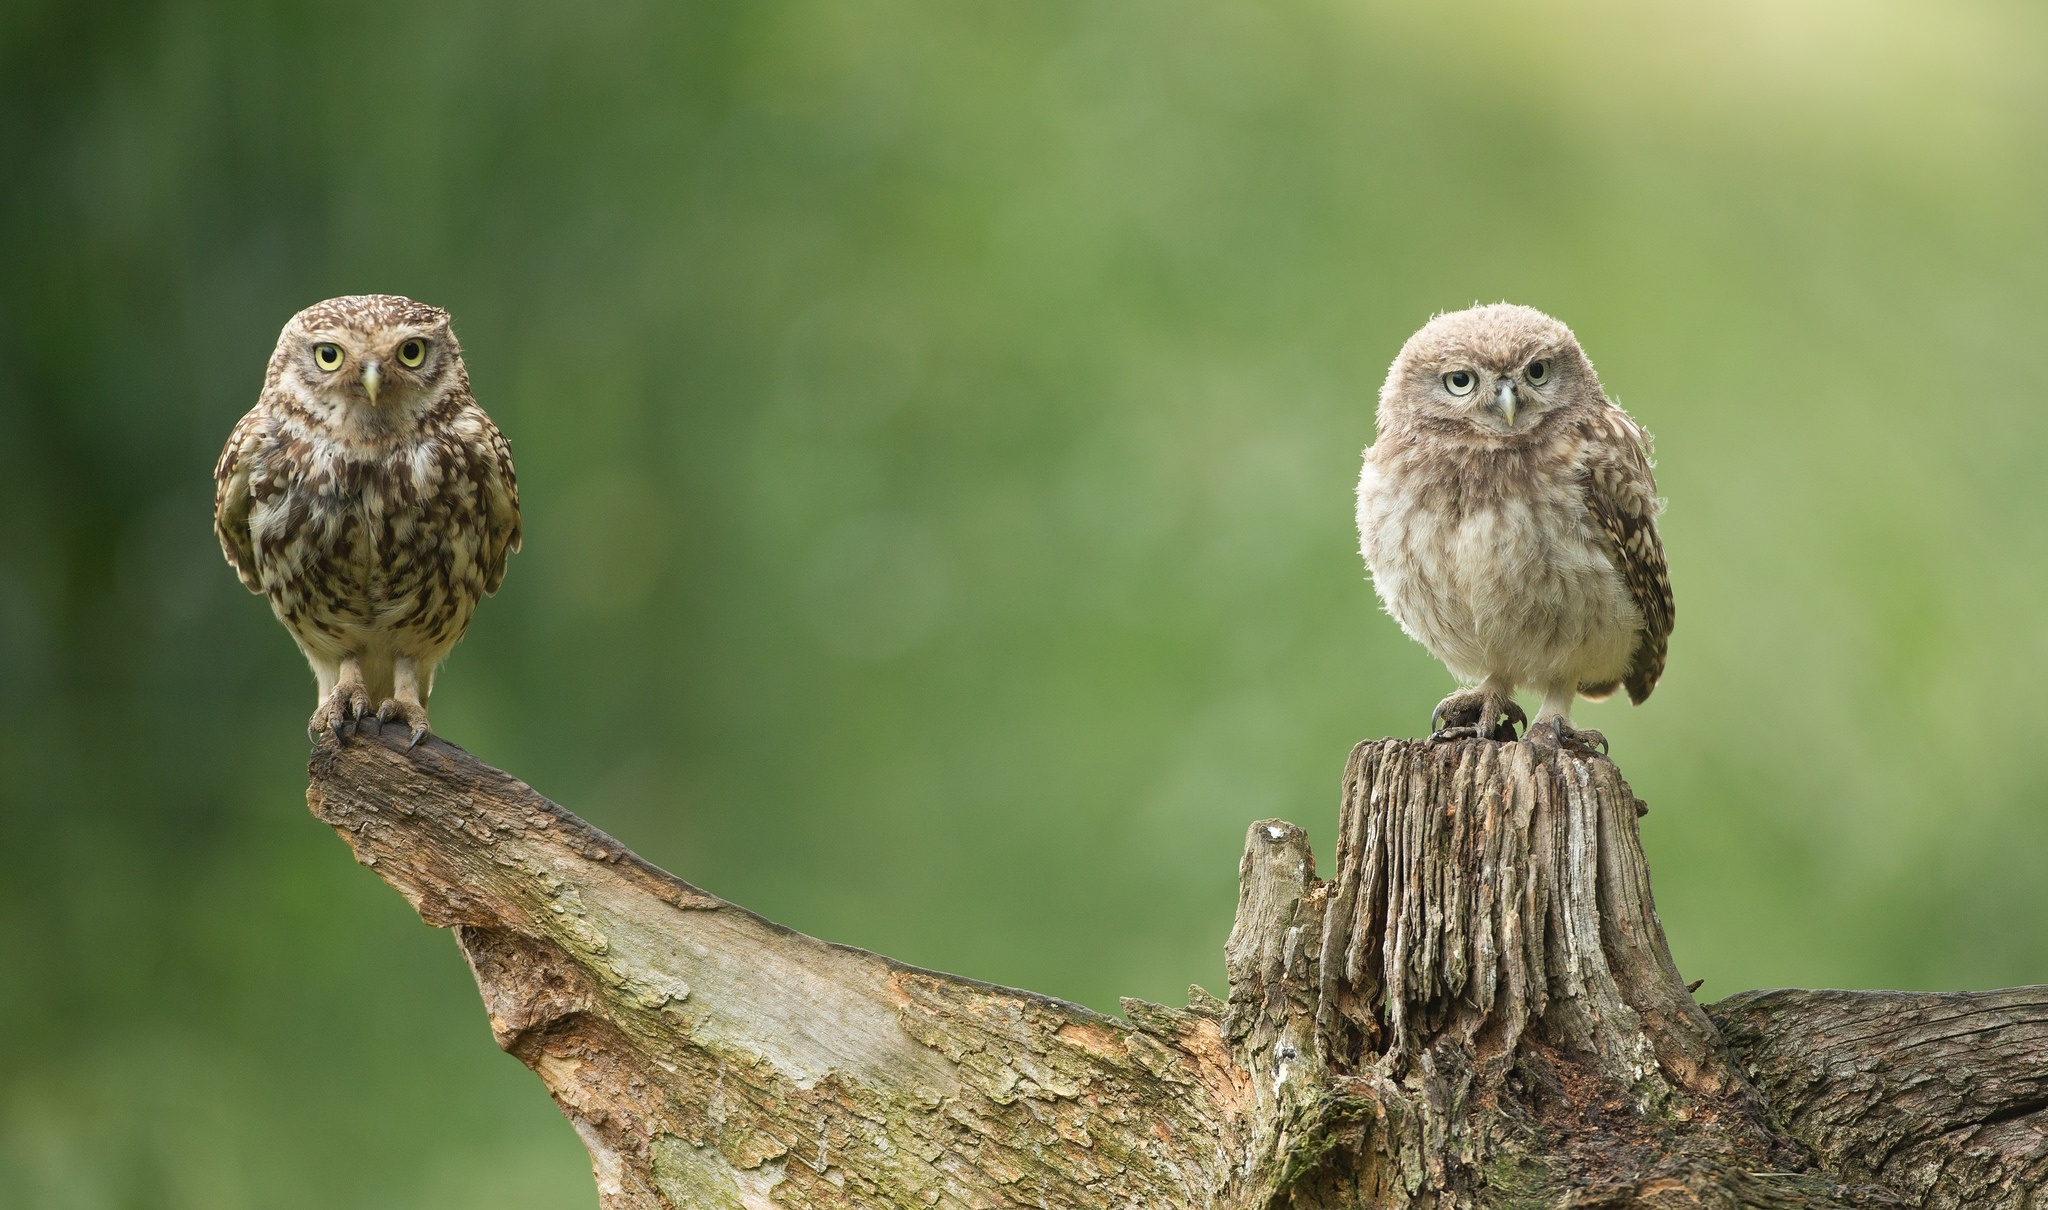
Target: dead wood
pixel 1943 1097
pixel 1477 1009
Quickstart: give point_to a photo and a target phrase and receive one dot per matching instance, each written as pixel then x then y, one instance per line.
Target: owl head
pixel 371 362
pixel 1492 372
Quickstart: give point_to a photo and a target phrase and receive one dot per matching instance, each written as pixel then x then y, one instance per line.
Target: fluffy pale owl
pixel 371 500
pixel 1509 518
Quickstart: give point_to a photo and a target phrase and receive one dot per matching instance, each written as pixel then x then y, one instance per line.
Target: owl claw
pixel 1552 734
pixel 1460 716
pixel 347 706
pixel 412 714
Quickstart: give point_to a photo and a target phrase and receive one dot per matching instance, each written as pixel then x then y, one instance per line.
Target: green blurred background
pixel 936 426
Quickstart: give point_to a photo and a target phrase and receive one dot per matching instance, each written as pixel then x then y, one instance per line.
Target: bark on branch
pixel 1479 1009
pixel 1941 1097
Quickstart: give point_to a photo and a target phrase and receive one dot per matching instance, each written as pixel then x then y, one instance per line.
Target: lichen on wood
pixel 1477 1009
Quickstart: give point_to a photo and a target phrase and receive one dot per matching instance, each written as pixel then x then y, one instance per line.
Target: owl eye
pixel 1539 371
pixel 1460 382
pixel 327 357
pixel 412 353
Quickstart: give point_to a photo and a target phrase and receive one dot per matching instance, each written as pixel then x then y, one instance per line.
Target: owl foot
pixel 347 706
pixel 1550 734
pixel 412 714
pixel 1476 714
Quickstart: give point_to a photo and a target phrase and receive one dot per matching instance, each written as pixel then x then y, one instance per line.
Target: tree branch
pixel 708 1057
pixel 1479 1009
pixel 1942 1097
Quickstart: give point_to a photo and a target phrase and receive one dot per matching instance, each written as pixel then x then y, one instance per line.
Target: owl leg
pixel 1476 713
pixel 406 703
pixel 347 703
pixel 1553 726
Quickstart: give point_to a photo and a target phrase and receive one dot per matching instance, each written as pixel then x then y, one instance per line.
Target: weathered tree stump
pixel 1479 1010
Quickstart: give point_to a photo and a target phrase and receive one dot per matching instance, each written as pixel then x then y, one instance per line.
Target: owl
pixel 1509 519
pixel 371 500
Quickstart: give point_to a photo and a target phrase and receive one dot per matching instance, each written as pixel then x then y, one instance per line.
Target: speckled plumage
pixel 1512 529
pixel 373 502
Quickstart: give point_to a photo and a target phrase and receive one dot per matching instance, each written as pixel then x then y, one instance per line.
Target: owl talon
pixel 1551 734
pixel 1477 714
pixel 348 705
pixel 412 714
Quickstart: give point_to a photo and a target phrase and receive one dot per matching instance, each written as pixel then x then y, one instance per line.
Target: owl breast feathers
pixel 1508 515
pixel 371 500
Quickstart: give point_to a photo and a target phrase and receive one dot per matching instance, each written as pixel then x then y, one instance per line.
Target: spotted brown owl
pixel 369 497
pixel 1509 518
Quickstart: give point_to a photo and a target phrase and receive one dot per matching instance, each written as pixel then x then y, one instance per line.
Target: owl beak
pixel 1504 401
pixel 371 380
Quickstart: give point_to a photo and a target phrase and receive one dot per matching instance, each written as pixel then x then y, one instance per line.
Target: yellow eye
pixel 412 353
pixel 1460 382
pixel 327 357
pixel 1539 371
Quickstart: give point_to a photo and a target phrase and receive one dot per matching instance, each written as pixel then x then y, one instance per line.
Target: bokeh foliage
pixel 936 426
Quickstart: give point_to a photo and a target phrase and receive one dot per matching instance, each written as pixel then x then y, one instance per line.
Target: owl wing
pixel 501 499
pixel 231 498
pixel 1621 494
